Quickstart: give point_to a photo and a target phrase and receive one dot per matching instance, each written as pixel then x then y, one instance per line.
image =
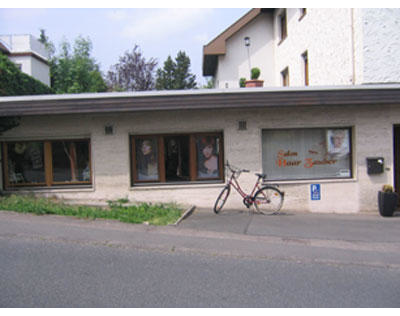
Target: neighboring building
pixel 28 54
pixel 150 146
pixel 299 47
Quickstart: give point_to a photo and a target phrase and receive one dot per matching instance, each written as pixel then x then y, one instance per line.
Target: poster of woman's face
pixel 207 153
pixel 338 142
pixel 146 155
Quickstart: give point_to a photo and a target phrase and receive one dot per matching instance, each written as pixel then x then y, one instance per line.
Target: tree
pixel 176 74
pixel 132 73
pixel 75 72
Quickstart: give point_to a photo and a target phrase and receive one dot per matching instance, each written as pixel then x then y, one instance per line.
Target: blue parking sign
pixel 315 192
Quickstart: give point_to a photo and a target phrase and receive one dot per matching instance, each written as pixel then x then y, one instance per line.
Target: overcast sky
pixel 158 32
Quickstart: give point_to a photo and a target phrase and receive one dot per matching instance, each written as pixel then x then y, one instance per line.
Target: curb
pixel 187 213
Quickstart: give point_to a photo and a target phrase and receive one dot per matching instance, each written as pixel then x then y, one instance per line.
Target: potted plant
pixel 387 201
pixel 254 82
pixel 242 82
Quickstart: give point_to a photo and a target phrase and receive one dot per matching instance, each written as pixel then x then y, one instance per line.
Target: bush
pixel 242 82
pixel 255 73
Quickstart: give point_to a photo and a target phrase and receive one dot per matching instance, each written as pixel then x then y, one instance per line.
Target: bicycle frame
pixel 248 199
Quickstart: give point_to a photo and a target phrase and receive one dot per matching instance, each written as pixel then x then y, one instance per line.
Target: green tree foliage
pixel 132 73
pixel 76 71
pixel 176 74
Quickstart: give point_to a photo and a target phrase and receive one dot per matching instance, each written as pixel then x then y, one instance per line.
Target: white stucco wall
pixel 326 35
pixel 381 45
pixel 235 63
pixel 372 136
pixel 344 46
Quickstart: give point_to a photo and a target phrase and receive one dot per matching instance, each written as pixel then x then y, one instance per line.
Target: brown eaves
pixel 217 46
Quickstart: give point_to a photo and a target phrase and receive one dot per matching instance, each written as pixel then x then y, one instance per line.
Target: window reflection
pixel 25 162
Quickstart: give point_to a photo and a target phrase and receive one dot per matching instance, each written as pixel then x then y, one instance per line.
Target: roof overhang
pixel 107 103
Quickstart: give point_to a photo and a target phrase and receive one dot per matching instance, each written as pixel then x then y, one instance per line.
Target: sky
pixel 158 32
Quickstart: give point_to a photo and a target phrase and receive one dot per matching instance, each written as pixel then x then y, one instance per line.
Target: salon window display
pixel 208 157
pixel 147 159
pixel 177 158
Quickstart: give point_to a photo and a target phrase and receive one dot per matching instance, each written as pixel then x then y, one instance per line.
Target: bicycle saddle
pixel 261 175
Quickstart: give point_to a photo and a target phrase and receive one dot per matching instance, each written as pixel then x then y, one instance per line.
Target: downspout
pixel 353 49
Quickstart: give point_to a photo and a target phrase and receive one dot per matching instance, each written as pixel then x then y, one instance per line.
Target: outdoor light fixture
pixel 247 44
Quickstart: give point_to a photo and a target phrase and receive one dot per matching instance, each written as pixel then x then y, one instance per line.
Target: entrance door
pixel 396 147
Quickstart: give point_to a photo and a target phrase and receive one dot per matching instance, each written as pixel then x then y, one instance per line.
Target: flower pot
pixel 254 83
pixel 387 202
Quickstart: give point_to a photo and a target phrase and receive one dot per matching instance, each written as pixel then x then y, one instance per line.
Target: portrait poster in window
pixel 338 142
pixel 146 159
pixel 208 157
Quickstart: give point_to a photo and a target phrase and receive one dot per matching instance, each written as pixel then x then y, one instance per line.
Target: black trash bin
pixel 387 202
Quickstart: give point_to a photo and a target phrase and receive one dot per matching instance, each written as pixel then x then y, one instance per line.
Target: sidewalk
pixel 364 227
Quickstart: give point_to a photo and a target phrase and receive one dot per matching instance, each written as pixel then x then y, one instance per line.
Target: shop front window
pixel 177 158
pixel 26 163
pixel 314 153
pixel 47 163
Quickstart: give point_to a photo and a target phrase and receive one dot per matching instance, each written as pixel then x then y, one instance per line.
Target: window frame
pixel 351 162
pixel 304 57
pixel 285 77
pixel 193 163
pixel 48 165
pixel 283 30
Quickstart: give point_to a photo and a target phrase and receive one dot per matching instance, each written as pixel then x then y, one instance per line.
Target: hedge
pixel 14 82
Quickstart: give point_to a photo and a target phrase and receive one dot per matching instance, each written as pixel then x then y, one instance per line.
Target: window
pixel 283 25
pixel 177 158
pixel 47 163
pixel 313 153
pixel 305 67
pixel 303 12
pixel 285 77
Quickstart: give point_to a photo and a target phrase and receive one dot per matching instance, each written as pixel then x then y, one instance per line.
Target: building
pixel 28 54
pixel 301 47
pixel 152 146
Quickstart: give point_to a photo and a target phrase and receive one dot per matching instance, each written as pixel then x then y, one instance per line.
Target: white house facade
pixel 28 54
pixel 299 47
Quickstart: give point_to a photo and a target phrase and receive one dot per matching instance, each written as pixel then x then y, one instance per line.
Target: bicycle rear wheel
pixel 268 200
pixel 222 197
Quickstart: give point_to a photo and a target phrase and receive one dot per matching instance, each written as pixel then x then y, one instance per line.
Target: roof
pixel 217 46
pixel 244 98
pixel 3 48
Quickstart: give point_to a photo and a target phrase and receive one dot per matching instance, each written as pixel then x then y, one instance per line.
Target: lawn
pixel 153 214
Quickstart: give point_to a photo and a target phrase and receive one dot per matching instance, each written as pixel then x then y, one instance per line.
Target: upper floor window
pixel 303 12
pixel 305 67
pixel 283 25
pixel 285 77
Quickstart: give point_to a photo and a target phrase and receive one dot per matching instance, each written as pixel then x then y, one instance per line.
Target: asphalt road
pixel 64 262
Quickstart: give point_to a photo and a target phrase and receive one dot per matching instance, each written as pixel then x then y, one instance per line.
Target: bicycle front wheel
pixel 268 200
pixel 220 202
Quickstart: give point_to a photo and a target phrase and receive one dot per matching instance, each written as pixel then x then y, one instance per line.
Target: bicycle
pixel 267 199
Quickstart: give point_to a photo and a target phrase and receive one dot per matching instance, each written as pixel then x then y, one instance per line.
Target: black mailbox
pixel 375 165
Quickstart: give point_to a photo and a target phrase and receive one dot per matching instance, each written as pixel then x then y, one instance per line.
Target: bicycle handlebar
pixel 234 169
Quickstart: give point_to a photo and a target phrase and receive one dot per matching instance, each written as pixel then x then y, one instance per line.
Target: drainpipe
pixel 353 49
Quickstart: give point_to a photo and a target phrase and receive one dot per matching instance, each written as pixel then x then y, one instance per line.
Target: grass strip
pixel 154 214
